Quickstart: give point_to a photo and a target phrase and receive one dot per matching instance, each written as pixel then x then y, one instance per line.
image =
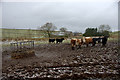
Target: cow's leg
pixel 73 47
pixel 103 44
pixel 79 46
pixel 87 45
pixel 93 44
pixel 56 42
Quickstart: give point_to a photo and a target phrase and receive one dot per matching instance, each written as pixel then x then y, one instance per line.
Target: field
pixel 60 61
pixel 13 34
pixel 21 33
pixel 114 35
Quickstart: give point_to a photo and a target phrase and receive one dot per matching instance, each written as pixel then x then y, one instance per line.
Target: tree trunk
pixel 48 34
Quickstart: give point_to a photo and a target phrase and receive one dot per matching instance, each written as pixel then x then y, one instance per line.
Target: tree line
pixel 102 30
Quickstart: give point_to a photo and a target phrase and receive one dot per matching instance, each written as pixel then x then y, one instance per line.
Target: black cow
pixel 59 40
pixel 51 40
pixel 104 40
pixel 95 40
pixel 99 40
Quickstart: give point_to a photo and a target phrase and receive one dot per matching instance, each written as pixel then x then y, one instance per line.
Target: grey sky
pixel 75 16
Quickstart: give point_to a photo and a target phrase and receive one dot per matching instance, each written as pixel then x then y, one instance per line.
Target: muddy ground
pixel 60 61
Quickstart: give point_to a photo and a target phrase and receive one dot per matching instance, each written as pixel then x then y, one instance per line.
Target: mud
pixel 60 61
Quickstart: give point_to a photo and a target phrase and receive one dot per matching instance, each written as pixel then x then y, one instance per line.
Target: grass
pixel 114 36
pixel 24 34
pixel 21 33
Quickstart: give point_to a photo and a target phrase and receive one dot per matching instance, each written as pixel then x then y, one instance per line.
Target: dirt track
pixel 91 59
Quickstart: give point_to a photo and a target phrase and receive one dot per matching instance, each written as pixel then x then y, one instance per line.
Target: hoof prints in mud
pixel 89 71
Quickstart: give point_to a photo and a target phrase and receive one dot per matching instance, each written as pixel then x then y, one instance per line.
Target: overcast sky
pixel 75 16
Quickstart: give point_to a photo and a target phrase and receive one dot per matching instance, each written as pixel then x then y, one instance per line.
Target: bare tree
pixel 48 28
pixel 63 29
pixel 103 28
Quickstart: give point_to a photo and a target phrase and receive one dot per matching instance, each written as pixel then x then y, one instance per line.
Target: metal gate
pixel 22 45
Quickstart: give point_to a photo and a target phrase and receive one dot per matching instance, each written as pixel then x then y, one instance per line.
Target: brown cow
pixel 87 40
pixel 76 43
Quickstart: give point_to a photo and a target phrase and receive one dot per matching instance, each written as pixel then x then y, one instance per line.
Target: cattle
pixel 104 40
pixel 76 43
pixel 85 40
pixel 96 40
pixel 99 40
pixel 91 40
pixel 59 40
pixel 79 43
pixel 73 43
pixel 88 40
pixel 51 40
